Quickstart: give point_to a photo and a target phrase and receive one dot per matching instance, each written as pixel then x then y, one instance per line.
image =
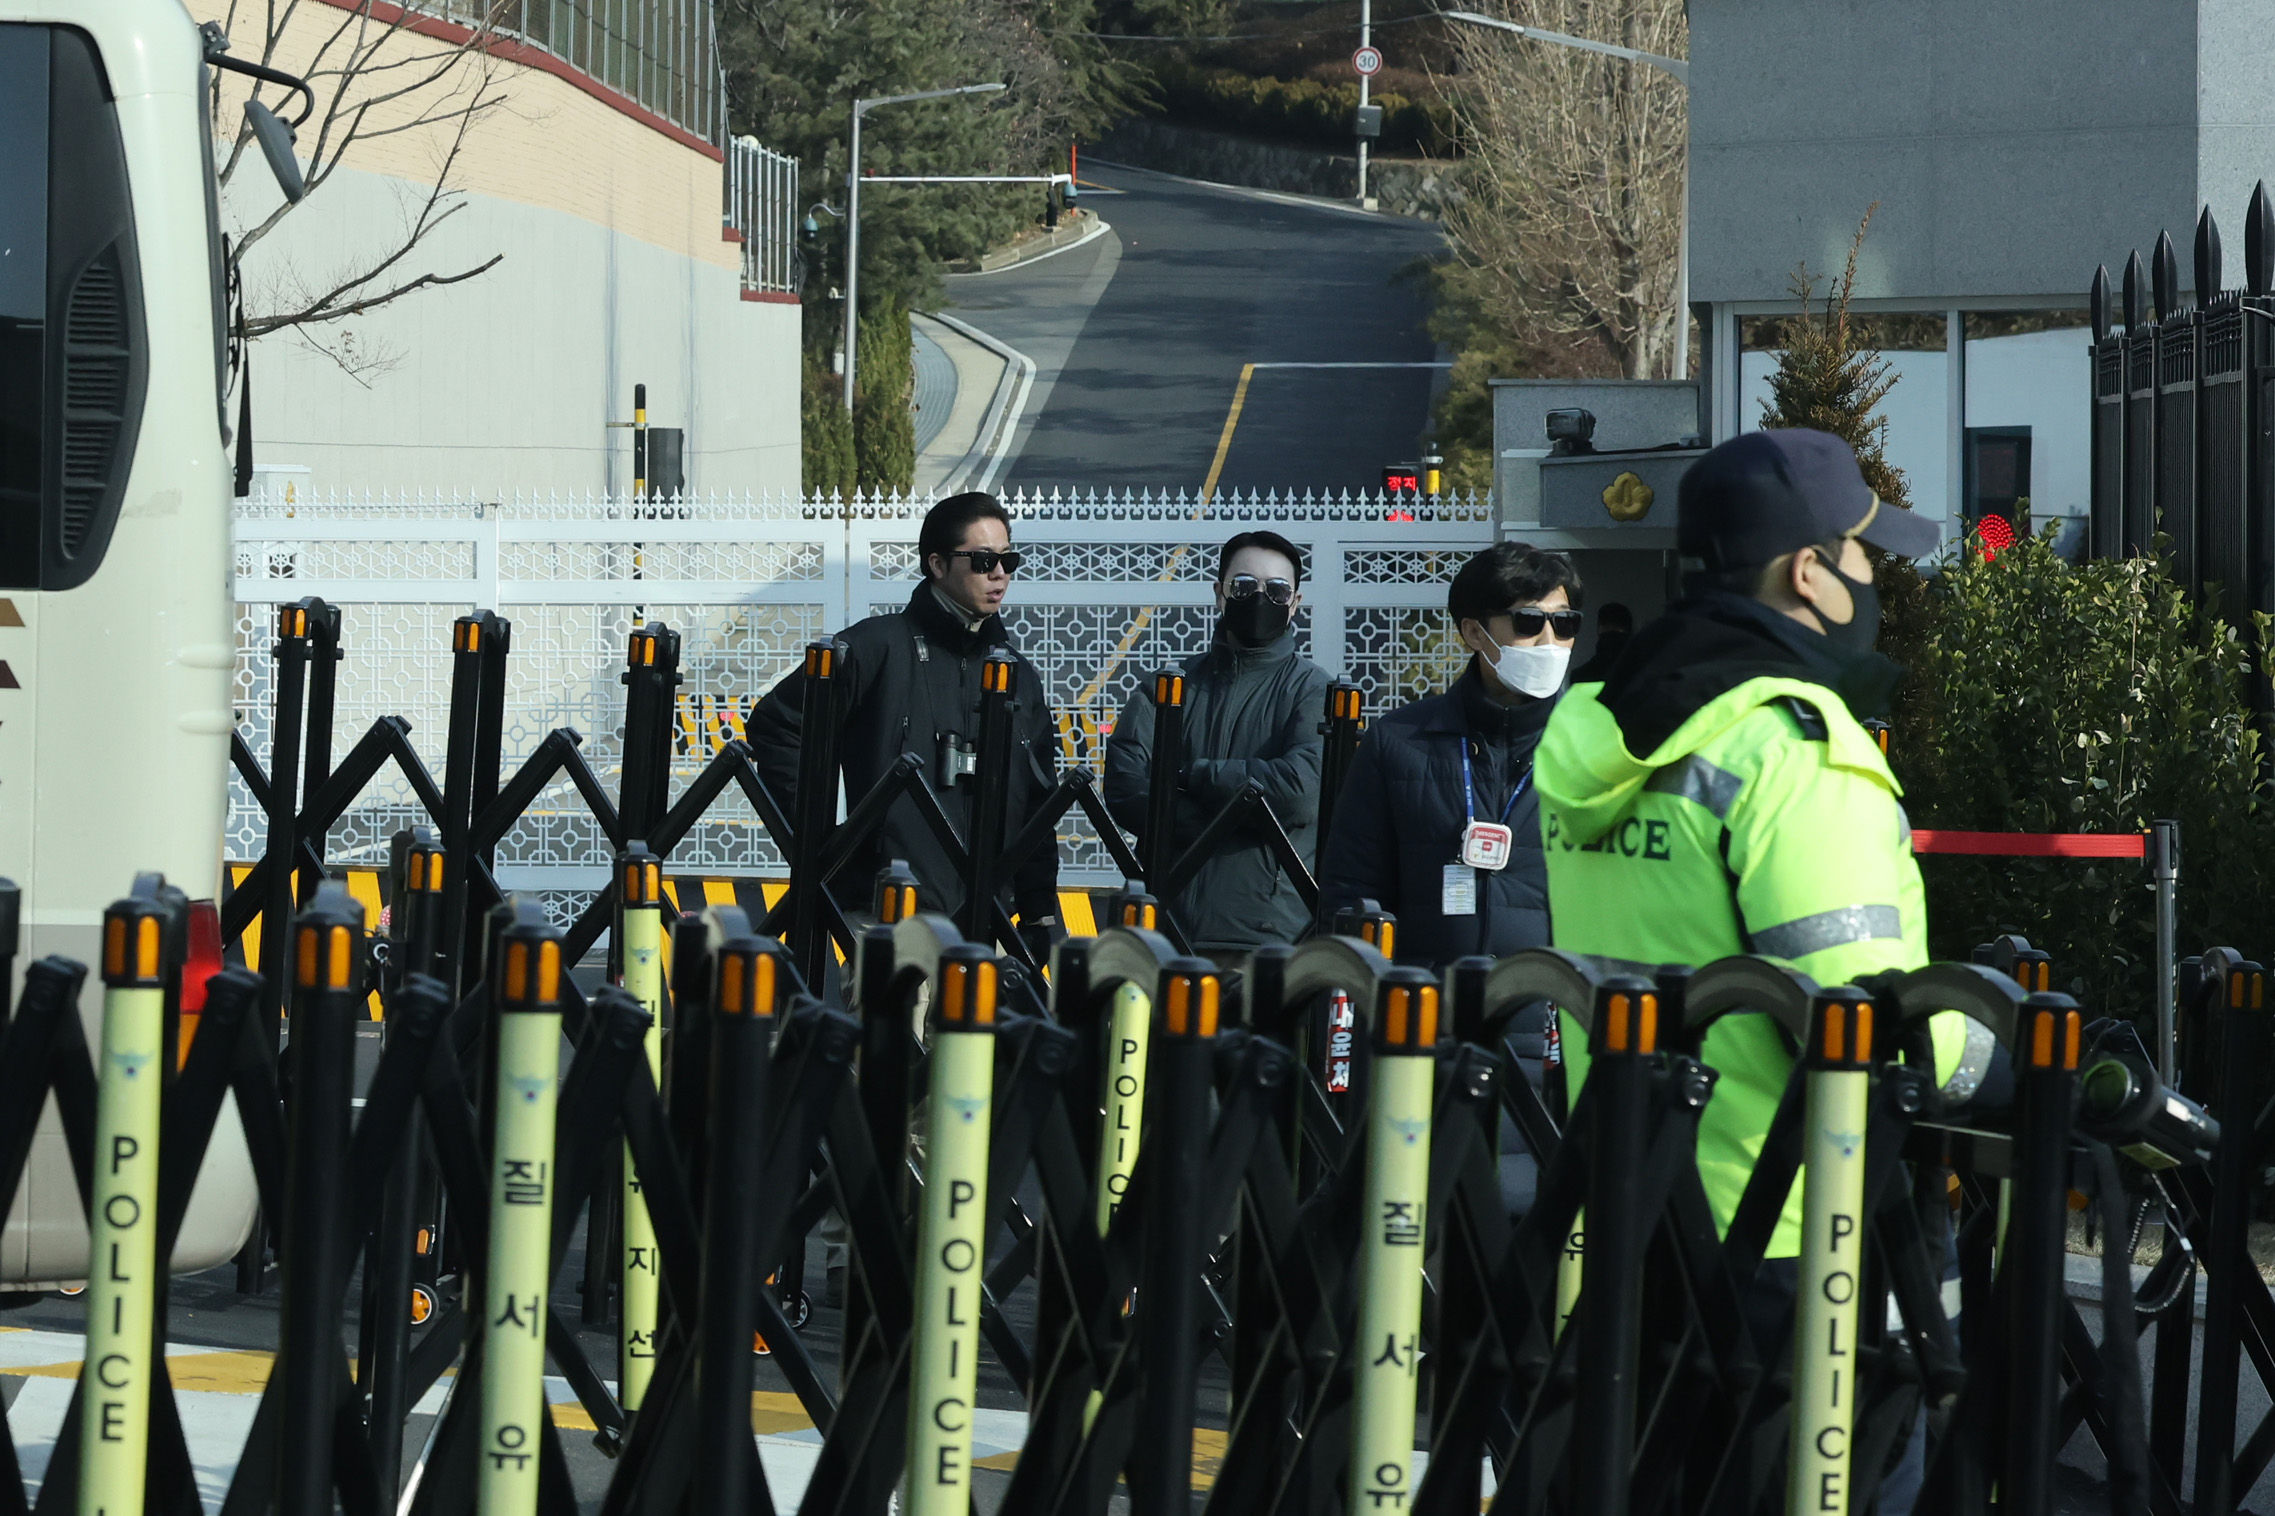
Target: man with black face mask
pixel 1252 715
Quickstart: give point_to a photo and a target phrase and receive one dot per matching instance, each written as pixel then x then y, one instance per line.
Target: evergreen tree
pixel 1831 378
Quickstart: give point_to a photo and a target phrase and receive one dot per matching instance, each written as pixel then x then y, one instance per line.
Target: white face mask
pixel 1535 671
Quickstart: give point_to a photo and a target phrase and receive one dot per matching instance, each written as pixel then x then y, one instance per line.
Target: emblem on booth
pixel 1628 498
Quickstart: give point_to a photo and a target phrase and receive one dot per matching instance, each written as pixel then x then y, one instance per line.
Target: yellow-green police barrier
pixel 639 935
pixel 951 1238
pixel 1826 1382
pixel 121 1290
pixel 526 991
pixel 1393 1227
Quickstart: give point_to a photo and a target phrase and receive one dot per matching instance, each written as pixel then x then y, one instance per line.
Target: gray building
pixel 2010 147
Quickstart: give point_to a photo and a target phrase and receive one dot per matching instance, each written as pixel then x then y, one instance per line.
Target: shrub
pixel 2087 697
pixel 1302 110
pixel 884 429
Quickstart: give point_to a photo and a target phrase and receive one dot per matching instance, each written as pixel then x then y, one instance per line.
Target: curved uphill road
pixel 1140 336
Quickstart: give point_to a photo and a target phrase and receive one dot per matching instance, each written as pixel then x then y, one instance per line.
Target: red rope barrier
pixel 2031 844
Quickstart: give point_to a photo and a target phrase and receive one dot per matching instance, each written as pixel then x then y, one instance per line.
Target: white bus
pixel 115 489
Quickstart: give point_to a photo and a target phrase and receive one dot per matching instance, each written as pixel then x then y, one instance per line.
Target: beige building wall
pixel 613 271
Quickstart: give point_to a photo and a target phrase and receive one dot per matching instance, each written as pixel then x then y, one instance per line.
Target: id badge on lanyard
pixel 1486 845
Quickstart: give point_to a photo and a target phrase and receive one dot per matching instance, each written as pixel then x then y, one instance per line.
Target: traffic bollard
pixel 123 1258
pixel 526 990
pixel 2242 1022
pixel 1176 1240
pixel 1158 846
pixel 1392 1229
pixel 468 635
pixel 639 936
pixel 750 979
pixel 1624 1042
pixel 814 810
pixel 1346 716
pixel 951 1237
pixel 327 1002
pixel 2036 1242
pixel 991 779
pixel 290 652
pixel 1826 1384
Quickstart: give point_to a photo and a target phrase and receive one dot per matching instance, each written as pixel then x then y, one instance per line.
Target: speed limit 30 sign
pixel 1368 61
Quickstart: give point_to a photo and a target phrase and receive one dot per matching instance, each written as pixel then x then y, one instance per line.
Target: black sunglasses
pixel 1527 623
pixel 1241 586
pixel 984 559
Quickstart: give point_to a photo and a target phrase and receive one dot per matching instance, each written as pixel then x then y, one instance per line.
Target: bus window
pixel 72 412
pixel 23 296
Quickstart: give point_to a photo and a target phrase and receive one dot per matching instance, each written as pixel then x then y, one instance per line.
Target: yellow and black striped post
pixel 1826 1387
pixel 123 1263
pixel 639 442
pixel 951 1236
pixel 526 993
pixel 639 937
pixel 1393 1230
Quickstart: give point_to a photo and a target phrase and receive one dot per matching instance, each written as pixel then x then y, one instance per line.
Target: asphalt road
pixel 1140 337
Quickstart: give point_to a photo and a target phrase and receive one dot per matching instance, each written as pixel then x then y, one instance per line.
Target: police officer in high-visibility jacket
pixel 1717 794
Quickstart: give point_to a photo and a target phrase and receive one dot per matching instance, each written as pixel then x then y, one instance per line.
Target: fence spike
pixel 2259 242
pixel 2164 277
pixel 2136 291
pixel 2207 257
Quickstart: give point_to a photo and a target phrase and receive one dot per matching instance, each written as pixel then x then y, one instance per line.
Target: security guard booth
pixel 1589 467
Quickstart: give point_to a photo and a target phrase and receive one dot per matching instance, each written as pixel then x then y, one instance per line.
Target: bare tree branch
pixel 374 77
pixel 1573 201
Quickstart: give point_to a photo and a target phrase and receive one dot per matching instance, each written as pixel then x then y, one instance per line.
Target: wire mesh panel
pixel 1114 586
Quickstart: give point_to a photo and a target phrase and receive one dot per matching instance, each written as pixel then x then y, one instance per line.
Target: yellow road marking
pixel 1144 617
pixel 1224 442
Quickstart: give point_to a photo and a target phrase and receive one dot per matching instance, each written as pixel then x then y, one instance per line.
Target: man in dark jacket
pixel 1252 716
pixel 1438 822
pixel 910 683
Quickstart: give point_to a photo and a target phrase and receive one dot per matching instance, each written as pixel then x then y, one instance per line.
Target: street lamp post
pixel 1675 69
pixel 853 210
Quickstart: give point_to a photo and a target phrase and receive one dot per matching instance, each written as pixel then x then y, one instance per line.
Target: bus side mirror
pixel 275 139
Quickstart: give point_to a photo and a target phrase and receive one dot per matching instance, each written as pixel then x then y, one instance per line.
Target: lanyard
pixel 1469 788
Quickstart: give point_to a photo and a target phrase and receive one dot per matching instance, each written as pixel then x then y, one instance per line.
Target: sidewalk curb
pixel 1099 227
pixel 1004 411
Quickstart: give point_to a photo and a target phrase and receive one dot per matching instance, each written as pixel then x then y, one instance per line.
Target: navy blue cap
pixel 1762 495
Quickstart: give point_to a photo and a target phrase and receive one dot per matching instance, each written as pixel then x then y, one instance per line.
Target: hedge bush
pixel 1301 110
pixel 2086 697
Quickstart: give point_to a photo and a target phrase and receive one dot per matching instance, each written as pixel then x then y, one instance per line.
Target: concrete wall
pixel 2011 147
pixel 614 272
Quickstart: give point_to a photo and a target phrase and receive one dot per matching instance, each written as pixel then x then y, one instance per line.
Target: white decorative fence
pixel 1113 587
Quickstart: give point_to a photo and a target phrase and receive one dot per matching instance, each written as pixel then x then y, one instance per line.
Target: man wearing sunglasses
pixel 910 683
pixel 1438 821
pixel 1252 713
